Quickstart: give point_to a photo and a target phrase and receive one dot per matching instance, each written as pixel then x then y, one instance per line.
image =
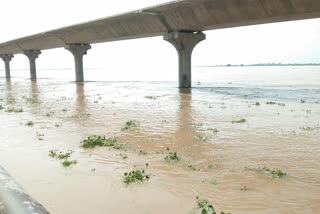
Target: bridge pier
pixel 32 56
pixel 78 50
pixel 7 58
pixel 184 42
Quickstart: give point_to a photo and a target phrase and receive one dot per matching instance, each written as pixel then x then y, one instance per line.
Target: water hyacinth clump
pixel 95 140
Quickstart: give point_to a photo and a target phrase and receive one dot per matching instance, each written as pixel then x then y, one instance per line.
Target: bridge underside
pixel 184 16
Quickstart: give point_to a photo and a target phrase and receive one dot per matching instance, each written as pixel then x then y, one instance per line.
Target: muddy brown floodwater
pixel 284 136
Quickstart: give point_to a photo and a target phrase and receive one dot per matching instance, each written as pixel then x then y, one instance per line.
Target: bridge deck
pixel 181 15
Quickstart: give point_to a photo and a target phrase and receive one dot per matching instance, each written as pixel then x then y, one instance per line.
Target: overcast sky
pixel 289 42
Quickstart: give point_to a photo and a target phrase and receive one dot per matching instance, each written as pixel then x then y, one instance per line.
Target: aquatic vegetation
pixel 172 156
pixel 1 107
pixel 193 168
pixel 152 97
pixel 29 123
pixel 214 130
pixel 274 103
pixel 271 173
pixel 244 188
pixel 302 101
pixel 212 166
pixel 206 207
pixel 130 125
pixel 122 155
pixel 271 103
pixel 257 103
pixel 309 128
pixel 242 120
pixel 197 124
pixel 58 125
pixel 202 138
pixel 11 101
pixel 80 116
pixel 119 145
pixel 67 163
pixel 59 155
pixel 64 110
pixel 142 151
pixel 31 100
pixel 93 170
pixel 136 176
pixel 94 140
pixel 18 110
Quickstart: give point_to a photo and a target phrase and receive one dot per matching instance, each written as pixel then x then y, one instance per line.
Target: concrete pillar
pixel 184 42
pixel 78 50
pixel 7 58
pixel 32 56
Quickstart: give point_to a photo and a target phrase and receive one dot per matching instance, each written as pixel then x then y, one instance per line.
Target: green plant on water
pixel 29 123
pixel 309 128
pixel 1 107
pixel 95 140
pixel 202 138
pixel 151 97
pixel 271 103
pixel 15 110
pixel 267 171
pixel 206 207
pixel 80 116
pixel 281 104
pixel 214 130
pixel 244 188
pixel 212 166
pixel 302 101
pixel 93 170
pixel 130 125
pixel 242 120
pixel 122 155
pixel 257 103
pixel 172 156
pixel 64 110
pixel 11 101
pixel 210 181
pixel 67 163
pixel 193 168
pixel 119 146
pixel 32 100
pixel 39 134
pixel 58 125
pixel 142 152
pixel 136 176
pixel 64 157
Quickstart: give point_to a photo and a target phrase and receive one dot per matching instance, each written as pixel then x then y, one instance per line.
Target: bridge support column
pixel 7 58
pixel 78 50
pixel 184 42
pixel 32 56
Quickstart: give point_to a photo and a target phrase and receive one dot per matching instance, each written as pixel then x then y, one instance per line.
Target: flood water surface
pixel 224 134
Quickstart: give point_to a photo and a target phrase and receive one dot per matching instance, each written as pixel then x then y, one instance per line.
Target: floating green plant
pixel 309 128
pixel 244 188
pixel 206 207
pixel 193 168
pixel 142 152
pixel 151 97
pixel 214 130
pixel 58 125
pixel 136 176
pixel 130 125
pixel 271 103
pixel 29 123
pixel 59 155
pixel 32 100
pixel 257 103
pixel 1 107
pixel 242 120
pixel 119 145
pixel 122 155
pixel 15 110
pixel 267 171
pixel 11 101
pixel 172 156
pixel 202 138
pixel 94 140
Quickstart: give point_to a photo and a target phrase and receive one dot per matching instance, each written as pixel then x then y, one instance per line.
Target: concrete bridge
pixel 180 22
